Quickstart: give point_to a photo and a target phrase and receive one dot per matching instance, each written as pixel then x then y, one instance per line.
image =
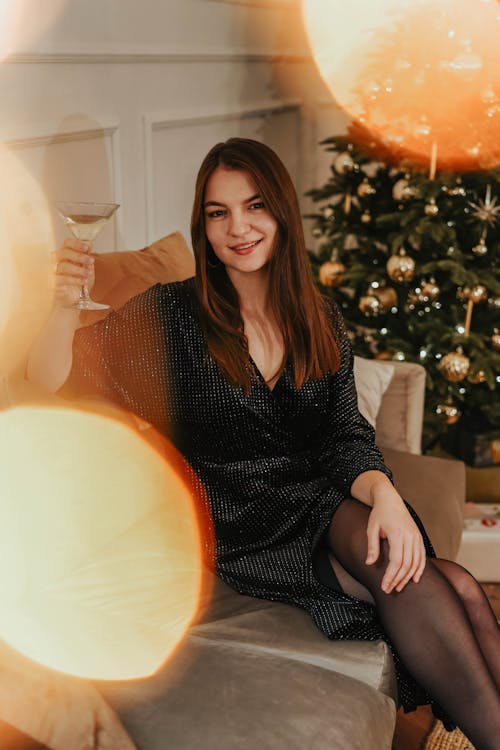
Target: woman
pixel 248 369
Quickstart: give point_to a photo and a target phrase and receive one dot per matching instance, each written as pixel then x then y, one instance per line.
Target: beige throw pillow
pixel 372 379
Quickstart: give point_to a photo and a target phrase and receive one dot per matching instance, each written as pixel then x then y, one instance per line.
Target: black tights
pixel 442 627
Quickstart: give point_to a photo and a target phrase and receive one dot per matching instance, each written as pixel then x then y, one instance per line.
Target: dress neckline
pixel 262 378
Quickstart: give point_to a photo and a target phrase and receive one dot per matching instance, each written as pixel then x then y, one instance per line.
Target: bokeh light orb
pixel 415 73
pixel 100 552
pixel 26 245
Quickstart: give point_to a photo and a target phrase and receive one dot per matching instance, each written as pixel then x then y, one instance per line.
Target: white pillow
pixel 372 379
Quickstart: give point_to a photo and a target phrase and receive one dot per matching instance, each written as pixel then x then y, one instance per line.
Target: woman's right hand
pixel 74 269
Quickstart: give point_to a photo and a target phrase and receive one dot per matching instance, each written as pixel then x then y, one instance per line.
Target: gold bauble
pixel 366 217
pixel 332 273
pixel 454 366
pixel 402 191
pixel 400 267
pixel 480 249
pixel 387 297
pixel 449 412
pixel 365 189
pixel 430 208
pixel 430 291
pixel 494 302
pixel 478 293
pixel 477 377
pixel 343 163
pixel 494 446
pixel 495 339
pixel 369 305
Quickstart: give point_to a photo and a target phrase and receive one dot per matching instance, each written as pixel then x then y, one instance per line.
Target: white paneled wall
pixel 116 100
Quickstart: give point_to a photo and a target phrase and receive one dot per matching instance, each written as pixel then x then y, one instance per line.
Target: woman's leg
pixel 477 606
pixel 429 628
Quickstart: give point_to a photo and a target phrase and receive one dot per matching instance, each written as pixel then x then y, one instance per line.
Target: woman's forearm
pixel 370 484
pixel 51 356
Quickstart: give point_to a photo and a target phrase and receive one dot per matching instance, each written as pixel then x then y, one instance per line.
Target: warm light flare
pixel 26 244
pixel 415 73
pixel 23 22
pixel 100 567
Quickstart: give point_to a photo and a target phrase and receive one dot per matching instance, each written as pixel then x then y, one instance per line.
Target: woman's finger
pixel 373 534
pixel 423 563
pixel 77 257
pixel 395 560
pixel 74 250
pixel 415 562
pixel 406 565
pixel 72 271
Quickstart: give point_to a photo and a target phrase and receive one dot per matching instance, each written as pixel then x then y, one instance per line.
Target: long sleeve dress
pixel 275 465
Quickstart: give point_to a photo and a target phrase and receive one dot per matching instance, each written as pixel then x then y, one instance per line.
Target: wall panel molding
pixel 271 4
pixel 45 135
pixel 154 122
pixel 151 57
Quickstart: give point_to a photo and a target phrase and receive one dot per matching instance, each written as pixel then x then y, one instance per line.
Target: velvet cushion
pixel 119 276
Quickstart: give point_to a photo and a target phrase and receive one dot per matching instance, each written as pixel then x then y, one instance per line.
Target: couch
pixel 250 673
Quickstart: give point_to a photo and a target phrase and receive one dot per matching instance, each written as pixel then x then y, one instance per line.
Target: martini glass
pixel 85 221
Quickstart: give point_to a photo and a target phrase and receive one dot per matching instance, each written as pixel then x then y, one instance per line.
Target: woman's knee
pixel 462 581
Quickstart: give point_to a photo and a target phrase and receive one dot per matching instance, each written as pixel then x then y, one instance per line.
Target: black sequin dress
pixel 275 464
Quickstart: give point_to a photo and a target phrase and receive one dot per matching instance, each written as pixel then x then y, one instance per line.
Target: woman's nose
pixel 238 225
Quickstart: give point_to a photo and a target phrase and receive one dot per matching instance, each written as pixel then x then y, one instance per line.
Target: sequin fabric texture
pixel 275 464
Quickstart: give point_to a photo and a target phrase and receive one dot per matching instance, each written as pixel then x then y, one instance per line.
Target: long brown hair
pixel 298 307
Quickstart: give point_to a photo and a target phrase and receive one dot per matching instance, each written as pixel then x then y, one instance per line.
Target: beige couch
pixel 257 674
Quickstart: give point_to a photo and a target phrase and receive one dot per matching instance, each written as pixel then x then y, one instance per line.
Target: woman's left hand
pixel 391 520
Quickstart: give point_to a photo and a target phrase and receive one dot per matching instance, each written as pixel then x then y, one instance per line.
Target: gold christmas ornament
pixel 494 447
pixel 387 296
pixel 495 339
pixel 317 232
pixel 457 190
pixel 430 291
pixel 332 273
pixel 366 217
pixel 477 377
pixel 327 212
pixel 343 163
pixel 454 366
pixel 480 249
pixel 494 302
pixel 402 190
pixel 369 305
pixel 365 189
pixel 478 293
pixel 431 208
pixel 488 210
pixel 400 267
pixel 449 412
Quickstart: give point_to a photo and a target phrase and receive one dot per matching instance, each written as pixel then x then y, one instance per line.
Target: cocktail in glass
pixel 85 221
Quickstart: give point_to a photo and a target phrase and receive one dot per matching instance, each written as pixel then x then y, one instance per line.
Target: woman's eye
pixel 258 205
pixel 215 214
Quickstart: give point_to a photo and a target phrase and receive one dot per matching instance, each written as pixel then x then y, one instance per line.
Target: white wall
pixel 119 100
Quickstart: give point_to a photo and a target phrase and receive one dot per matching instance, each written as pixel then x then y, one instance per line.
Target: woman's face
pixel 239 227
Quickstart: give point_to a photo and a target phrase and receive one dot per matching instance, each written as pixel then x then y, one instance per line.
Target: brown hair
pixel 299 309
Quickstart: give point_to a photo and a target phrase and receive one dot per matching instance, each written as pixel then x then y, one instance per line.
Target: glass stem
pixel 84 292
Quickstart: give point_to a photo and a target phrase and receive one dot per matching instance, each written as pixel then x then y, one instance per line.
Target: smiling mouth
pixel 246 247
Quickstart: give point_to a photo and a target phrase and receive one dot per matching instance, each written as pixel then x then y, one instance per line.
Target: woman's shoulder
pixel 173 293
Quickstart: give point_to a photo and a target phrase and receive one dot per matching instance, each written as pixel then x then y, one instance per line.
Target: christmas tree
pixel 411 256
